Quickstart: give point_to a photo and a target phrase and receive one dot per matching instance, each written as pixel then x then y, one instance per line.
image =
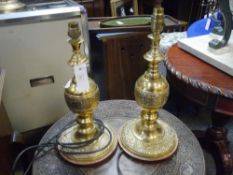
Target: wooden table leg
pixel 215 141
pixel 218 147
pixel 218 144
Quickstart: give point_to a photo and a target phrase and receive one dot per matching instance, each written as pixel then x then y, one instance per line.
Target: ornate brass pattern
pixel 83 104
pixel 149 138
pixel 161 147
pixel 151 99
pixel 75 100
pixel 84 159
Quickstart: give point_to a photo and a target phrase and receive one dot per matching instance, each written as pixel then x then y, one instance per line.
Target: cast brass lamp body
pixel 83 104
pixel 149 138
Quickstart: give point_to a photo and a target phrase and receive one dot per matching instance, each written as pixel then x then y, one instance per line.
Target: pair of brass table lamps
pixel 147 138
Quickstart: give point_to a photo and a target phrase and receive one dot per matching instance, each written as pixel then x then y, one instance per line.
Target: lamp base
pixel 89 154
pixel 158 147
pixel 8 6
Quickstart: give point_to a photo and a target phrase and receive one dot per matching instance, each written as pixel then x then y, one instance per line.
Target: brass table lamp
pixel 149 138
pixel 10 5
pixel 88 141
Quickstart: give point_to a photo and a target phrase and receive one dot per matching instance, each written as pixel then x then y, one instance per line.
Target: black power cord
pixel 118 163
pixel 54 145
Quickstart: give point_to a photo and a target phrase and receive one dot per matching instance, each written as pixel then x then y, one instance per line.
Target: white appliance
pixel 34 53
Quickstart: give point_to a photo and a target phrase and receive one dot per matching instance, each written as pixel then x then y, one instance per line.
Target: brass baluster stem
pixel 86 126
pixel 150 116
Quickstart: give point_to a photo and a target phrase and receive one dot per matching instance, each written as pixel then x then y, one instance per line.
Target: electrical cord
pixel 35 147
pixel 25 150
pixel 78 145
pixel 119 172
pixel 55 145
pixel 72 146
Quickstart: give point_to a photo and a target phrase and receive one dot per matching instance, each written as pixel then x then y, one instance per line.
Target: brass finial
pixel 149 138
pixel 76 41
pixel 82 98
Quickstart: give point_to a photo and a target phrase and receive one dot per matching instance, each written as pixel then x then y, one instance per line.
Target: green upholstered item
pixel 127 21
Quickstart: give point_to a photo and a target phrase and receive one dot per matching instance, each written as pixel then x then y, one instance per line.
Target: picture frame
pixel 124 7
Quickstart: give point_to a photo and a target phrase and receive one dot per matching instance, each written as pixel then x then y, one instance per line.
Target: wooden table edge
pixel 196 83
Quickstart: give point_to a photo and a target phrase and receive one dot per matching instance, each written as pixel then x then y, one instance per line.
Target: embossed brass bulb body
pixel 83 104
pixel 149 138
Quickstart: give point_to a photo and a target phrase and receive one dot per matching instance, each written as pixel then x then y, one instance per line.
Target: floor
pixel 5 156
pixel 6 147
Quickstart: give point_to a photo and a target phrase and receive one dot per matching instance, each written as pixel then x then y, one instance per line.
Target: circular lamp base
pixel 83 158
pixel 9 6
pixel 158 147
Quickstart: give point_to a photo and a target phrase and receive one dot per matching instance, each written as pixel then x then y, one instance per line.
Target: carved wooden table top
pixel 208 87
pixel 188 160
pixel 197 73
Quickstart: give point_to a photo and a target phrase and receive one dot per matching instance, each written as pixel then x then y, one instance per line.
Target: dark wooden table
pixel 188 160
pixel 209 87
